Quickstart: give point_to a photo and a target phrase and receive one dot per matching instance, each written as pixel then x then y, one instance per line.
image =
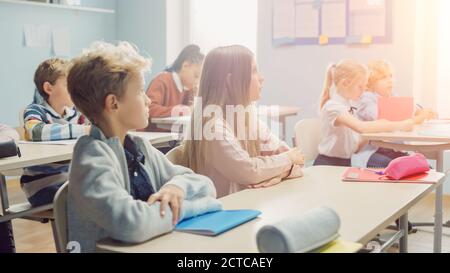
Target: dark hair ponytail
pixel 191 54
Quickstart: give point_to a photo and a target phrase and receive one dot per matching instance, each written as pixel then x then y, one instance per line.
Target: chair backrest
pixel 175 155
pixel 60 214
pixel 21 132
pixel 21 113
pixel 308 137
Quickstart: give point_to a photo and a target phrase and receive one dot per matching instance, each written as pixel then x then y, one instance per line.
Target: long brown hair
pixel 225 81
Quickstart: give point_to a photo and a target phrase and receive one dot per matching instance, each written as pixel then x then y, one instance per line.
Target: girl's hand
pixel 268 183
pixel 271 182
pixel 296 157
pixel 87 129
pixel 181 110
pixel 169 195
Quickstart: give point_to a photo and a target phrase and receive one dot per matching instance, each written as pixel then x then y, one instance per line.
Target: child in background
pixel 380 84
pixel 230 78
pixel 172 92
pixel 341 129
pixel 54 118
pixel 120 186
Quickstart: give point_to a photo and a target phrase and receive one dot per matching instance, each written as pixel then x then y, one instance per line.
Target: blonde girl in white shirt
pixel 341 128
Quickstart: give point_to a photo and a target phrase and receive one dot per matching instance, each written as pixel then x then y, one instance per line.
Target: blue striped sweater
pixel 42 123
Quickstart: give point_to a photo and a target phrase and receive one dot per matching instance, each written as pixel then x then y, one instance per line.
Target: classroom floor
pixel 33 237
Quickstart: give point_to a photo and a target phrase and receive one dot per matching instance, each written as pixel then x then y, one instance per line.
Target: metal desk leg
pixel 438 217
pixel 7 236
pixel 404 238
pixel 438 220
pixel 4 194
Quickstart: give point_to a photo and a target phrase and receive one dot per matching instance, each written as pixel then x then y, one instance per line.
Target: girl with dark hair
pixel 172 92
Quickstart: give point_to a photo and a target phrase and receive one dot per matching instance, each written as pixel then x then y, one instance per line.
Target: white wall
pixel 143 23
pixel 177 23
pixel 216 23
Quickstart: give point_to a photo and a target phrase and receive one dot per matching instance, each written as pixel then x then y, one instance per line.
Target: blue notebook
pixel 218 222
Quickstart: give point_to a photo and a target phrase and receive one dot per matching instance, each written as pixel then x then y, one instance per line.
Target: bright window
pixel 444 60
pixel 216 23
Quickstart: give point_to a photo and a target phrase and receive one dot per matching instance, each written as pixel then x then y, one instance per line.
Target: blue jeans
pixel 323 160
pixel 383 157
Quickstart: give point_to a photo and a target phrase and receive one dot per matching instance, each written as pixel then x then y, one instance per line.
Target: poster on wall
pixel 327 22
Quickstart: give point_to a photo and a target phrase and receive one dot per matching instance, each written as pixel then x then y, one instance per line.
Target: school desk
pixel 178 123
pixel 429 139
pixel 34 154
pixel 365 209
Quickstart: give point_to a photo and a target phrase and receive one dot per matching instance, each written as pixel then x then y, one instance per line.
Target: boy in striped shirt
pixel 55 118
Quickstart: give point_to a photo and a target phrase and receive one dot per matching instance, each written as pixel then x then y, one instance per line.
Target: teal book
pixel 215 223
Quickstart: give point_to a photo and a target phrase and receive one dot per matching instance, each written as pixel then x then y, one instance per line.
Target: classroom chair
pixel 59 224
pixel 307 136
pixel 21 113
pixel 41 214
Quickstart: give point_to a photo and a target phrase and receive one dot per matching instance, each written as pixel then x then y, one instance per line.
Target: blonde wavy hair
pixel 378 70
pixel 101 70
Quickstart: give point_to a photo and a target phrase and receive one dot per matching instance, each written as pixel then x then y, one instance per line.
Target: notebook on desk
pixel 395 108
pixel 371 176
pixel 340 246
pixel 215 223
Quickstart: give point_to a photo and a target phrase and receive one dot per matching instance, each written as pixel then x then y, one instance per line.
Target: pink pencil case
pixel 406 166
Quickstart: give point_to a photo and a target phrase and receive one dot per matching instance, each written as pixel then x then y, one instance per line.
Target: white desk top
pixel 36 154
pixel 364 209
pixel 284 111
pixel 157 138
pixel 423 133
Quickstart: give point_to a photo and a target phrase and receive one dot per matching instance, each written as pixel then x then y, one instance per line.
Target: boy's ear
pixel 111 103
pixel 47 87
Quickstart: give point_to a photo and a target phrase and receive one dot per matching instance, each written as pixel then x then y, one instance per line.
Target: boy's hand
pixel 424 115
pixel 427 114
pixel 169 195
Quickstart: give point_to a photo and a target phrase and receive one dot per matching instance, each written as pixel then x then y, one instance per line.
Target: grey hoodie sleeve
pixel 99 194
pixel 200 193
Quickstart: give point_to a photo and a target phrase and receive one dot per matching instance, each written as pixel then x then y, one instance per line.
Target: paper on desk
pixel 436 132
pixel 61 42
pixel 438 121
pixel 154 135
pixel 37 36
pixel 58 142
